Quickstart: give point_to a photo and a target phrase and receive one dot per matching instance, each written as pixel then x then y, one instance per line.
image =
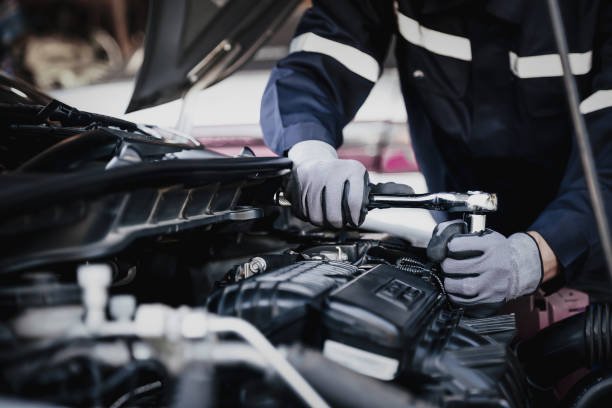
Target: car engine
pixel 139 269
pixel 369 304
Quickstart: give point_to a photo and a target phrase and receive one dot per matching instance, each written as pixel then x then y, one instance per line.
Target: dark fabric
pixel 474 124
pixel 315 91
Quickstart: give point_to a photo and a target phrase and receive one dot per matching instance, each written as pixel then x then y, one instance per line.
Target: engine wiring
pixel 418 268
pixel 51 363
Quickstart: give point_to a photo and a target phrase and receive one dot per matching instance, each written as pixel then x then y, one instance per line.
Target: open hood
pixel 200 42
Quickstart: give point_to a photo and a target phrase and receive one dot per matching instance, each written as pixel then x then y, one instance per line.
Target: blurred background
pixel 71 43
pixel 87 54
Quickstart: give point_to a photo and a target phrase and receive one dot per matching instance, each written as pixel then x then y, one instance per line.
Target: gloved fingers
pixel 331 204
pixel 466 302
pixel 467 254
pixel 313 203
pixel 346 210
pixel 472 301
pixel 443 226
pixel 343 195
pixel 437 249
pixel 365 199
pixel 458 269
pixel 355 193
pixel 303 204
pixel 466 246
pixel 329 193
pixel 466 288
pixel 302 191
pixel 297 196
pixel 477 294
pixel 482 241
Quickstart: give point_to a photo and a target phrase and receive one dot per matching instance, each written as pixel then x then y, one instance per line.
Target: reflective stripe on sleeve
pixel 549 65
pixel 435 41
pixel 598 100
pixel 356 61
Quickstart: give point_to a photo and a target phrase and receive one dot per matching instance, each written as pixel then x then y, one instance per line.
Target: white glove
pixel 490 268
pixel 325 190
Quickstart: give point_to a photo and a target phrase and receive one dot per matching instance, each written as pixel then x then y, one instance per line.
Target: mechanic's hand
pixel 488 268
pixel 325 190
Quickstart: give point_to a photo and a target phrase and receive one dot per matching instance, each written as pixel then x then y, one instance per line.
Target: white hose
pixel 274 358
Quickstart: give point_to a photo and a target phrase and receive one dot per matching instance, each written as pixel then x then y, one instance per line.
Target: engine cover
pixel 279 302
pixel 388 324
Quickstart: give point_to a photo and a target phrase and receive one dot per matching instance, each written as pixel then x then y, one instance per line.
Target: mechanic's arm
pixel 567 226
pixel 490 268
pixel 334 61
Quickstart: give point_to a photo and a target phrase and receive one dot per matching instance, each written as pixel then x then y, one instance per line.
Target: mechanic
pixel 482 84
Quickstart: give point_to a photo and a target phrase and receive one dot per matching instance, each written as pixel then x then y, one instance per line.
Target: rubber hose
pixel 594 390
pixel 598 334
pixel 342 387
pixel 583 340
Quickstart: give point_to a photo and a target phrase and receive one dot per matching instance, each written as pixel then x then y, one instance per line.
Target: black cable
pixel 136 392
pixel 101 388
pixel 582 136
pixel 47 347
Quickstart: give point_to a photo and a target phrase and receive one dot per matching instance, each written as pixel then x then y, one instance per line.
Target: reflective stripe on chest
pixel 458 47
pixel 549 65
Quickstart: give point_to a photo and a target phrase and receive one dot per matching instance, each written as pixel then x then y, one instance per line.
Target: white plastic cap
pixel 194 325
pixel 122 307
pixel 150 320
pixel 94 275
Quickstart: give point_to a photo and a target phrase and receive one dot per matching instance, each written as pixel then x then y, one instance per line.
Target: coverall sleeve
pixel 334 60
pixel 568 223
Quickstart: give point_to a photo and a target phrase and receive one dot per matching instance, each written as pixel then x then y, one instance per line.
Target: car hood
pixel 200 42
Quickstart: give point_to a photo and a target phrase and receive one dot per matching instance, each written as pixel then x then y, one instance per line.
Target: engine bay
pixel 370 304
pixel 139 268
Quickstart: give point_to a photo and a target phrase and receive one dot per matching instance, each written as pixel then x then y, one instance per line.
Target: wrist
pixel 311 150
pixel 528 263
pixel 550 264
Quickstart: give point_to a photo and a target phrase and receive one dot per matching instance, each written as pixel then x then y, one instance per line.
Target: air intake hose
pixel 583 340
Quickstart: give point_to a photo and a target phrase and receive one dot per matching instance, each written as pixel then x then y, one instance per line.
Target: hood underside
pixel 200 42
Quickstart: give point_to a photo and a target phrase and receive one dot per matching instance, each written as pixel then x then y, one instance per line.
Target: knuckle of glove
pixel 322 185
pixel 459 268
pixel 460 243
pixel 354 167
pixel 471 287
pixel 461 301
pixel 465 287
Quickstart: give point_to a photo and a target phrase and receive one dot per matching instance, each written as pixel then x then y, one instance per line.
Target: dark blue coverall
pixel 482 84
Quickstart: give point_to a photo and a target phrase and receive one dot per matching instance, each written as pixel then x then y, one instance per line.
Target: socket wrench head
pixel 478 202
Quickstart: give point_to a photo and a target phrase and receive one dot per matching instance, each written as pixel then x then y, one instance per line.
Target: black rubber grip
pixel 437 249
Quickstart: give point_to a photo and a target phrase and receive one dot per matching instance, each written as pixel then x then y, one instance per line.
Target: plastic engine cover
pixel 385 323
pixel 381 312
pixel 278 302
pixel 392 325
